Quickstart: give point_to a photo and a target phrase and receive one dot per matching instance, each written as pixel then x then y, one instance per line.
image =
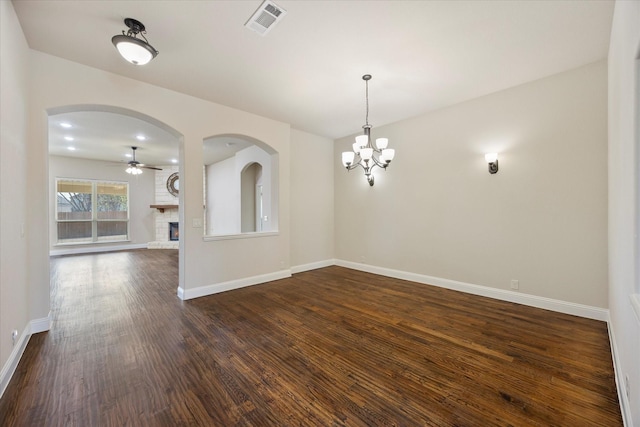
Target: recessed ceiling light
pixel 174 160
pixel 68 138
pixel 141 137
pixel 71 148
pixel 66 125
pixel 127 155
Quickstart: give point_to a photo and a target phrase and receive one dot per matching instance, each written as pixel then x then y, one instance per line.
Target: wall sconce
pixel 492 160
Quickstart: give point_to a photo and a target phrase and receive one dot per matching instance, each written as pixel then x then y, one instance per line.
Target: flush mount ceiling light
pixel 365 154
pixel 133 49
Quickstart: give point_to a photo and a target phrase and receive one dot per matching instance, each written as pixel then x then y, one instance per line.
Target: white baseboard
pixel 9 368
pixel 635 303
pixel 312 266
pixel 14 358
pixel 581 310
pixel 40 325
pixel 186 294
pixel 625 405
pixel 95 249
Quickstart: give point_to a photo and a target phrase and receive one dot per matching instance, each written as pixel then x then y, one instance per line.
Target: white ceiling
pixel 108 136
pixel 101 135
pixel 423 55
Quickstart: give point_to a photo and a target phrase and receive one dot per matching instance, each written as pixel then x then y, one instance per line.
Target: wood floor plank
pixel 329 347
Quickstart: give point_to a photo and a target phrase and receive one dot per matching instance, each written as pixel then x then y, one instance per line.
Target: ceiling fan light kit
pixel 134 167
pixel 135 50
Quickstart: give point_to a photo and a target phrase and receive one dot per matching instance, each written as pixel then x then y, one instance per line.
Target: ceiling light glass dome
pixel 133 49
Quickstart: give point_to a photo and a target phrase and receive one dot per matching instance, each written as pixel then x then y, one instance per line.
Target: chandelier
pixel 365 154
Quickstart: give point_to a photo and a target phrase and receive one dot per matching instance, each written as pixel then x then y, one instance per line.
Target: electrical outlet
pixel 515 285
pixel 14 336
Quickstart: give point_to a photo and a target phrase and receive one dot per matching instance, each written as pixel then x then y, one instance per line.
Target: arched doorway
pixel 91 149
pixel 251 202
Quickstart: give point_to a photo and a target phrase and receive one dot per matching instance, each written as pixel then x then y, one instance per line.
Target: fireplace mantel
pixel 161 208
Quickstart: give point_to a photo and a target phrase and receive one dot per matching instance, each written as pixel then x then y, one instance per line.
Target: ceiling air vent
pixel 265 18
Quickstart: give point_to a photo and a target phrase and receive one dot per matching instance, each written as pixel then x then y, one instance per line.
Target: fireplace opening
pixel 173 231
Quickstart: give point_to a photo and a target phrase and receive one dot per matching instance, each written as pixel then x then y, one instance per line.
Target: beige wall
pixel 226 195
pixel 14 194
pixel 624 211
pixel 35 84
pixel 312 213
pixel 436 211
pixel 141 195
pixel 541 219
pixel 56 82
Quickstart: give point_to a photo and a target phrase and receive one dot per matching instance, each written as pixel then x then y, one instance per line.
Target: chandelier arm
pixel 380 163
pixel 356 162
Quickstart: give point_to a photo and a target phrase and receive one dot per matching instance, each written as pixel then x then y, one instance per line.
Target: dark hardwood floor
pixel 330 347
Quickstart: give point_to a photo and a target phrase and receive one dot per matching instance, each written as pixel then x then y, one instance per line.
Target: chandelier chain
pixel 366 120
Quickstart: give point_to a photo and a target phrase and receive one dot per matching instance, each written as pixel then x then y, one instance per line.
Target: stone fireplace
pixel 165 211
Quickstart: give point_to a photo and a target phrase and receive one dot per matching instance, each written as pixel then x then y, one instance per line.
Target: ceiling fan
pixel 134 166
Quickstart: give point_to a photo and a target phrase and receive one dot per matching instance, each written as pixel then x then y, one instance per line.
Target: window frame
pixel 94 220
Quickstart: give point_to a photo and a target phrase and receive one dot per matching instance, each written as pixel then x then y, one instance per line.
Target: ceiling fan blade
pixel 149 167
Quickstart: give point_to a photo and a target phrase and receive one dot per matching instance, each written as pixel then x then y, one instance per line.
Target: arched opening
pixel 95 204
pixel 241 186
pixel 251 203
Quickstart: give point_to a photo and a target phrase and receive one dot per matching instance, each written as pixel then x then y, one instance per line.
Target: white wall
pixel 141 195
pixel 624 212
pixel 312 208
pixel 256 154
pixel 14 192
pixel 541 219
pixel 224 200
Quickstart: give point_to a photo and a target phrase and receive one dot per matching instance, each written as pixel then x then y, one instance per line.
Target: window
pixel 90 211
